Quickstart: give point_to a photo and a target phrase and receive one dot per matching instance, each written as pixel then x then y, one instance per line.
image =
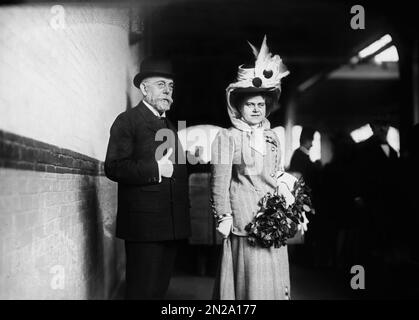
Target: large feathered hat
pixel 264 76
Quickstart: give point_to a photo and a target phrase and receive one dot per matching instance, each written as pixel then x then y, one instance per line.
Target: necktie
pixel 163 122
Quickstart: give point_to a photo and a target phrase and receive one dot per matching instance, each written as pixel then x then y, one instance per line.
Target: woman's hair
pixel 237 99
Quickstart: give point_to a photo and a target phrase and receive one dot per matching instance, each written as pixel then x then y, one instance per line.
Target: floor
pixel 195 268
pixel 306 284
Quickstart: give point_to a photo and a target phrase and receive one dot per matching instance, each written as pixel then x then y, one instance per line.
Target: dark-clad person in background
pixel 301 165
pixel 339 219
pixel 410 176
pixel 153 201
pixel 378 175
pixel 300 160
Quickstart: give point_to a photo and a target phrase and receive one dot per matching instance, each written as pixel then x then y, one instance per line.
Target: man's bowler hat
pixel 153 67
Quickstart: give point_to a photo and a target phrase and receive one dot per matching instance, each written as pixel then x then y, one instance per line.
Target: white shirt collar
pixel 386 149
pixel 156 113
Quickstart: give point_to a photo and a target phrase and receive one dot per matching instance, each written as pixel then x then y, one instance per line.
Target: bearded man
pixel 153 201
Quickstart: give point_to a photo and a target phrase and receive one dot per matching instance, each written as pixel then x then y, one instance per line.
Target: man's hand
pixel 165 165
pixel 224 227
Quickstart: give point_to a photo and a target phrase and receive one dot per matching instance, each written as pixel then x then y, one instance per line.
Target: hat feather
pixel 266 63
pixel 254 50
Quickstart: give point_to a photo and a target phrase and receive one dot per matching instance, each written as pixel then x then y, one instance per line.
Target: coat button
pixel 272 175
pixel 273 149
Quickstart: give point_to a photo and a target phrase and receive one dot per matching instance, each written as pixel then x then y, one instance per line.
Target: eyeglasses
pixel 162 85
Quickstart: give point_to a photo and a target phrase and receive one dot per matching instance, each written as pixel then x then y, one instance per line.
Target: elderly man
pixel 153 203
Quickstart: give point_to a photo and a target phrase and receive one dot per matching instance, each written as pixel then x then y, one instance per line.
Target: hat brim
pixel 253 90
pixel 141 76
pixel 270 90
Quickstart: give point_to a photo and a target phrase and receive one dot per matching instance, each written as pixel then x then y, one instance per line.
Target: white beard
pixel 160 105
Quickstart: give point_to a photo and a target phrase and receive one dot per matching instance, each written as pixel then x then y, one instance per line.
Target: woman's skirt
pixel 252 273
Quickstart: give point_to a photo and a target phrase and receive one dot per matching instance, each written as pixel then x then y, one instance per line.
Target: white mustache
pixel 166 98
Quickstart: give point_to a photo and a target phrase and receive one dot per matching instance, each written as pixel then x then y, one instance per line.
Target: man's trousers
pixel 149 267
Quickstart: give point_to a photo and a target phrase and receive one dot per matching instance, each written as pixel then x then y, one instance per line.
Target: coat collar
pixel 154 111
pixel 153 122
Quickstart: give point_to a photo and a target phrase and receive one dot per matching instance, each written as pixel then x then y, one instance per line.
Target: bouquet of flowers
pixel 277 221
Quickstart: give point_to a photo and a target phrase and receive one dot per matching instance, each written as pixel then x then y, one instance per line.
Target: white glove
pixel 224 227
pixel 286 178
pixel 285 184
pixel 165 165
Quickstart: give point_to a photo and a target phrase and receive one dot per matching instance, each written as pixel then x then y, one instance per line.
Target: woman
pixel 245 164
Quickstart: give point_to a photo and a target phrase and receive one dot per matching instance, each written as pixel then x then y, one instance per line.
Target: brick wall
pixel 57 221
pixel 56 234
pixel 60 90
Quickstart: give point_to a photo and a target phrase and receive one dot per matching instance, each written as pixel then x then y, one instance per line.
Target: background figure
pixel 339 234
pixel 300 160
pixel 301 165
pixel 153 204
pixel 410 204
pixel 378 186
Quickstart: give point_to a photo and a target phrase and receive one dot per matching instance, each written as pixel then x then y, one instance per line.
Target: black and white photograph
pixel 226 152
